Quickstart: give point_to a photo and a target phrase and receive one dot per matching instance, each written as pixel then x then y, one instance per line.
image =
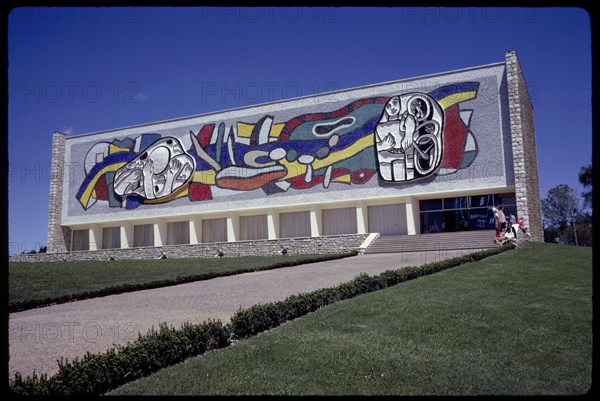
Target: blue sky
pixel 82 70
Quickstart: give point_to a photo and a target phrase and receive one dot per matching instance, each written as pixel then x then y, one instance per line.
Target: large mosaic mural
pixel 398 139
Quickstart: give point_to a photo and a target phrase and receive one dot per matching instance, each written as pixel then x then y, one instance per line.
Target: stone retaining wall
pixel 295 246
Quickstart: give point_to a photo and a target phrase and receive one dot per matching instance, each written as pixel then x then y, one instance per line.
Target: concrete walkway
pixel 38 337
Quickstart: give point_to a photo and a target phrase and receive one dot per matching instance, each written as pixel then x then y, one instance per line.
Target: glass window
pixel 143 235
pixel 505 199
pixel 455 220
pixel 431 222
pixel 253 227
pixel 481 219
pixel 214 230
pixel 178 233
pixel 455 203
pixel 387 219
pixel 464 213
pixel 339 221
pixel 111 237
pixel 81 240
pixel 430 204
pixel 294 224
pixel 481 200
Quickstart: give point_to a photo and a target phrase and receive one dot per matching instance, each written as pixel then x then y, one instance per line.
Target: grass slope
pixel 519 323
pixel 42 283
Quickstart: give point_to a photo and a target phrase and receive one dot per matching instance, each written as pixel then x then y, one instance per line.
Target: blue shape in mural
pixel 429 133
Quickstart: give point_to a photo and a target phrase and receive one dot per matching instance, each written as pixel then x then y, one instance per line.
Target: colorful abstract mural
pixel 403 138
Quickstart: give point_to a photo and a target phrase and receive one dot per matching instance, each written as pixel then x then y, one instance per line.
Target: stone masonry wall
pixel 524 149
pixel 58 237
pixel 295 246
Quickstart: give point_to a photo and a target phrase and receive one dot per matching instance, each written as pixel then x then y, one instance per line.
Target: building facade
pixel 414 156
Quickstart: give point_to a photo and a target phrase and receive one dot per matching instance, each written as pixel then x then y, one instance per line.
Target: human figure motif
pixel 409 137
pixel 163 168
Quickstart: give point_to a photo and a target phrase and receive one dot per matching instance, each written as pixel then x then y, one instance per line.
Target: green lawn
pixel 518 323
pixel 46 282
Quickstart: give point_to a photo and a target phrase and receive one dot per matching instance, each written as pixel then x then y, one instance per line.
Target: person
pixel 522 227
pixel 502 218
pixel 512 223
pixel 503 237
pixel 508 236
pixel 496 220
pixel 497 231
pixel 498 238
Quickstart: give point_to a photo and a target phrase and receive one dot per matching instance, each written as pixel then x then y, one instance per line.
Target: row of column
pixel 233 225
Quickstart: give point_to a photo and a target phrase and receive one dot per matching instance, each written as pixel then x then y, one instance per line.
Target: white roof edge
pixel 497 64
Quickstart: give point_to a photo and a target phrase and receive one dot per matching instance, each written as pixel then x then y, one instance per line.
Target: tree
pixel 551 234
pixel 583 222
pixel 560 209
pixel 585 179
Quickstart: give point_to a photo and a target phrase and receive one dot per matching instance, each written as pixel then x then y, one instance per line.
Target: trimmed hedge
pixel 96 374
pixel 100 373
pixel 258 318
pixel 119 289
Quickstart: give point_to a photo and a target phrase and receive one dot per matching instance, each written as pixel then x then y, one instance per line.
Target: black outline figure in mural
pixel 160 170
pixel 409 137
pixel 415 135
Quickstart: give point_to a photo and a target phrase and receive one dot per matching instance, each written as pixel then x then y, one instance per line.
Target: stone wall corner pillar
pixel 58 236
pixel 520 108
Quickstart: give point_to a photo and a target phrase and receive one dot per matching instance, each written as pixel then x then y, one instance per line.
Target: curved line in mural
pixel 328 129
pixel 414 135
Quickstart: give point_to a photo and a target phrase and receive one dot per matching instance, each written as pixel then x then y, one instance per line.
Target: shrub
pixel 100 373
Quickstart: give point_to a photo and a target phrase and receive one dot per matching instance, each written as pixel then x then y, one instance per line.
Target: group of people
pixel 507 226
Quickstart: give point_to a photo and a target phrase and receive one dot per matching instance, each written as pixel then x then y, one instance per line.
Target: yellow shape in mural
pixel 244 130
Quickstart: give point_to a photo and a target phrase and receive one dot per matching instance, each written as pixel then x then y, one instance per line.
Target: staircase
pixel 433 242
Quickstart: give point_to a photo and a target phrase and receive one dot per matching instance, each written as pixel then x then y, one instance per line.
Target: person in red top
pixel 498 233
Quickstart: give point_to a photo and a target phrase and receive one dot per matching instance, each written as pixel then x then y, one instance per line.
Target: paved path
pixel 38 337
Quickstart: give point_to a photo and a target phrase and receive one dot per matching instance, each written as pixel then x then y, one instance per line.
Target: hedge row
pixel 96 374
pixel 100 373
pixel 119 289
pixel 258 318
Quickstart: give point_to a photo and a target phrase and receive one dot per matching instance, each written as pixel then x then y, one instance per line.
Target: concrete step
pixel 433 242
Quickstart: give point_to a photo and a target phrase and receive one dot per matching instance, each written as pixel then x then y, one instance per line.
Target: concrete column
pixel 362 217
pixel 273 224
pixel 412 216
pixel 233 227
pixel 316 221
pixel 95 238
pixel 127 235
pixel 160 233
pixel 195 229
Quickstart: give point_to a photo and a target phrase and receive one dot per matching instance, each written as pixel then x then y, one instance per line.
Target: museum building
pixel 415 156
